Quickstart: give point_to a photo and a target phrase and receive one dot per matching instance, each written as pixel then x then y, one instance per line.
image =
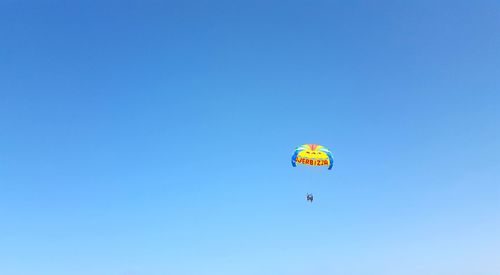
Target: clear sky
pixel 154 137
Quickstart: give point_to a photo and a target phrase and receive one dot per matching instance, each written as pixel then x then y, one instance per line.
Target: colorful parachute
pixel 312 154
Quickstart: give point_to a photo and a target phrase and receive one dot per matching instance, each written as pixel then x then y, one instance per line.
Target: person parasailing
pixel 312 155
pixel 310 197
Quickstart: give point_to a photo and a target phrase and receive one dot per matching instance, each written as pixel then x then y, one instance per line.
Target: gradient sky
pixel 154 137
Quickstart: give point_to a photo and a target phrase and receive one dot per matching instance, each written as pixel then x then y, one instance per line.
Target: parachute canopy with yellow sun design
pixel 313 155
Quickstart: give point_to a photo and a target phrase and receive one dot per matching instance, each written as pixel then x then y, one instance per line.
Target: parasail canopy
pixel 312 155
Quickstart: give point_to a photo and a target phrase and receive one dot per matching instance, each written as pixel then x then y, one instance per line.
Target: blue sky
pixel 154 137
